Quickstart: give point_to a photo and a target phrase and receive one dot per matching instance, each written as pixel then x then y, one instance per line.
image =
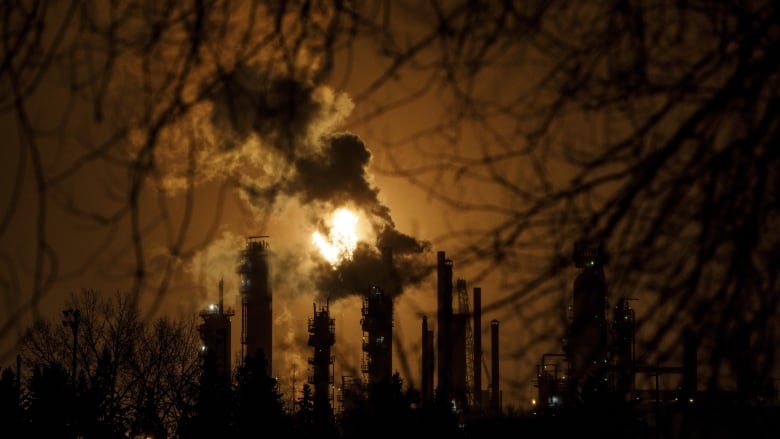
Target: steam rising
pixel 285 128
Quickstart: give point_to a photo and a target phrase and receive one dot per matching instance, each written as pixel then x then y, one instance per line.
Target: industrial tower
pixel 377 324
pixel 586 342
pixel 463 307
pixel 458 346
pixel 598 360
pixel 477 351
pixel 322 335
pixel 444 335
pixel 215 336
pixel 256 306
pixel 426 386
pixel 623 328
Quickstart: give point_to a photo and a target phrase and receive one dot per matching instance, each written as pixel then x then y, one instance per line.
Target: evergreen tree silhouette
pixel 259 409
pixel 210 416
pixel 51 402
pixel 11 412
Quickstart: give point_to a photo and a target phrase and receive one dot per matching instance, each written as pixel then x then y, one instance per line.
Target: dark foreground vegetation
pixel 138 378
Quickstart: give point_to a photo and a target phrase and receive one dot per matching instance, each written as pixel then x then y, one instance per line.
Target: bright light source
pixel 341 240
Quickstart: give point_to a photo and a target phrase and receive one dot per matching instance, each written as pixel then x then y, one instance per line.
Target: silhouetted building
pixel 377 325
pixel 322 335
pixel 256 300
pixel 586 343
pixel 215 337
pixel 623 327
pixel 552 384
pixel 351 393
pixel 458 363
pixel 463 356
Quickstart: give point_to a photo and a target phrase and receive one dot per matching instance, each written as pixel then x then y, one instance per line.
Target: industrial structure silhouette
pixel 596 366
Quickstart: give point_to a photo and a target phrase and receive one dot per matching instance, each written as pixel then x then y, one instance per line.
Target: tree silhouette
pixel 132 377
pixel 394 411
pixel 648 127
pixel 211 410
pixel 259 406
pixel 51 406
pixel 98 414
pixel 12 415
pixel 308 421
pixel 125 92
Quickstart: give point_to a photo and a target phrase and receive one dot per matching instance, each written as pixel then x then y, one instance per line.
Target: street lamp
pixel 71 320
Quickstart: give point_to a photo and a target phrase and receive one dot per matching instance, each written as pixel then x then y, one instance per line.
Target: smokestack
pixel 427 361
pixel 221 294
pixel 494 395
pixel 443 340
pixel 477 347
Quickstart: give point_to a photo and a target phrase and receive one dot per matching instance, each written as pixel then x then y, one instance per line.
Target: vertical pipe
pixel 443 341
pixel 427 362
pixel 220 296
pixel 494 398
pixel 477 346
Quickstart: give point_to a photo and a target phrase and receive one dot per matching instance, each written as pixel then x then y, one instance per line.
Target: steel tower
pixel 256 300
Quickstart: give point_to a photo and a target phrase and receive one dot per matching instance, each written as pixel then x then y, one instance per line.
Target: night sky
pixel 140 156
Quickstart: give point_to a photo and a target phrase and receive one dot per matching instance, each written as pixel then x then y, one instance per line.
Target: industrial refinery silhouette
pixel 594 371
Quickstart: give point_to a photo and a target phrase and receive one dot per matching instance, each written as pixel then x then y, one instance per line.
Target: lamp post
pixel 71 320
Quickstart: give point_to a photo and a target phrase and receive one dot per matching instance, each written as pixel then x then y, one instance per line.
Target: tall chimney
pixel 427 361
pixel 477 347
pixel 443 340
pixel 495 391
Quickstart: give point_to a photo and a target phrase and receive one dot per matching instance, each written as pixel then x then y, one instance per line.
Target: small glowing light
pixel 203 348
pixel 213 307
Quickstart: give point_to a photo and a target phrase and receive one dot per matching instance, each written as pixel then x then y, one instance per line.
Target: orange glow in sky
pixel 341 240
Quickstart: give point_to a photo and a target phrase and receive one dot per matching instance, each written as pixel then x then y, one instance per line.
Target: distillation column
pixel 256 300
pixel 586 343
pixel 322 336
pixel 377 324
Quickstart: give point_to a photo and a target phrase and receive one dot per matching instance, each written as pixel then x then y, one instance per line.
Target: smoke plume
pixel 317 168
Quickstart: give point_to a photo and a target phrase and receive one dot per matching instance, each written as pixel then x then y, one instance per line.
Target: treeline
pixel 144 379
